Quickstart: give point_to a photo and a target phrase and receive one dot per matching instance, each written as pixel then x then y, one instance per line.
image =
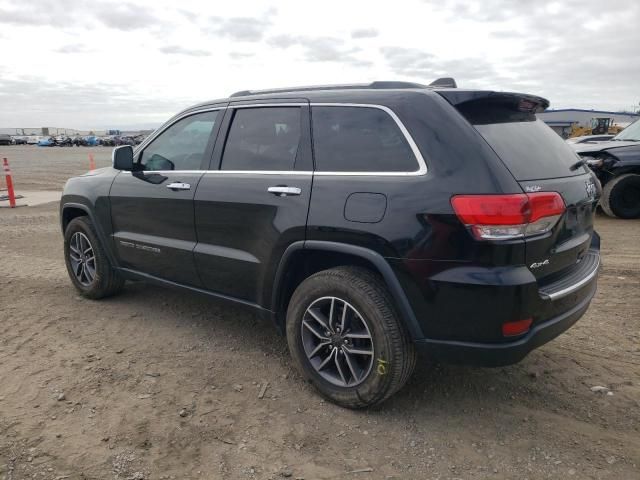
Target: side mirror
pixel 122 158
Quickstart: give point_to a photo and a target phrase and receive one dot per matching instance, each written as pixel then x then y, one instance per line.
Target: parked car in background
pixel 616 163
pixel 79 141
pixel 47 142
pixel 450 221
pixel 589 139
pixel 19 140
pixel 91 140
pixel 5 139
pixel 138 139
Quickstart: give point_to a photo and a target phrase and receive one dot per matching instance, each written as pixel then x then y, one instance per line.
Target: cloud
pixel 573 52
pixel 73 48
pixel 124 16
pixel 244 29
pixel 189 15
pixel 415 63
pixel 491 10
pixel 65 103
pixel 120 16
pixel 365 33
pixel 408 61
pixel 506 34
pixel 240 55
pixel 179 50
pixel 321 49
pixel 558 50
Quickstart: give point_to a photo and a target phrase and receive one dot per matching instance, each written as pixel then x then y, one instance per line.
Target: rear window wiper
pixel 580 163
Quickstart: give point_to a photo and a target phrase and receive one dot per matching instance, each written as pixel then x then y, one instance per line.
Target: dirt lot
pixel 159 384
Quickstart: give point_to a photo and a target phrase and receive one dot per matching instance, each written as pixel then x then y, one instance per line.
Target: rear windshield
pixel 527 146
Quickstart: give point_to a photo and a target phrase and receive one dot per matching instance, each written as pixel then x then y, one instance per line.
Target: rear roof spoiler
pixel 523 101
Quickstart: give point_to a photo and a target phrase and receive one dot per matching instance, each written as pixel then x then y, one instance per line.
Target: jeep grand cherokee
pixel 367 221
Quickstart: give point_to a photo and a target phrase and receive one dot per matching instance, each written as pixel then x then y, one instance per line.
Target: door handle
pixel 283 191
pixel 179 186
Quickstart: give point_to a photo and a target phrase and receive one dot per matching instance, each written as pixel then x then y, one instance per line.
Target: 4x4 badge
pixel 539 264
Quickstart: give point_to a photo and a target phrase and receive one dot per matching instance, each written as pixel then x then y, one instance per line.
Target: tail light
pixel 504 217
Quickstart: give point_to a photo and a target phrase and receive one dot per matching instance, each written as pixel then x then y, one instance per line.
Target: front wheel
pixel 87 263
pixel 346 338
pixel 621 196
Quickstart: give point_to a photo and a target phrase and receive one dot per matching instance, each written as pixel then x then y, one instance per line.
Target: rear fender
pixel 369 256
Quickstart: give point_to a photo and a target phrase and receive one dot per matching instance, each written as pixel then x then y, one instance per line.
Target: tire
pixel 621 196
pixel 99 279
pixel 358 383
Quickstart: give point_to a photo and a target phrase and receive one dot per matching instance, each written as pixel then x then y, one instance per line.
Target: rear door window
pixel 265 138
pixel 529 148
pixel 359 139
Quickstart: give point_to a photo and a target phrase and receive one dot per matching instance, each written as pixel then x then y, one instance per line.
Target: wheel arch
pixel 304 258
pixel 71 210
pixel 624 169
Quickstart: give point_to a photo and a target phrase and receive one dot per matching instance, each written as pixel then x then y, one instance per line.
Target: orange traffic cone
pixel 7 174
pixel 92 163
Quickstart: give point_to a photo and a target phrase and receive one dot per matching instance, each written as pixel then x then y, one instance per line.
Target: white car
pixel 589 139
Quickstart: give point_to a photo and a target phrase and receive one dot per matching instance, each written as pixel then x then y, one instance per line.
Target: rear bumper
pixel 500 354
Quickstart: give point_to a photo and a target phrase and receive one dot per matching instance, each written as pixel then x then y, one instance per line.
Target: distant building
pixel 40 131
pixel 55 131
pixel 561 120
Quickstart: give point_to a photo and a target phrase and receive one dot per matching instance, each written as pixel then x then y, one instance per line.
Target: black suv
pixel 366 221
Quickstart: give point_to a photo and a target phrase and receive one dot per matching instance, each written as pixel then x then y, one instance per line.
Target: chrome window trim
pixel 422 166
pixel 167 171
pixel 256 172
pixel 262 172
pixel 279 104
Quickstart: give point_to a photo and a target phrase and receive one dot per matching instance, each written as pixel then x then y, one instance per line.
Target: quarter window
pixel 264 138
pixel 182 145
pixel 359 139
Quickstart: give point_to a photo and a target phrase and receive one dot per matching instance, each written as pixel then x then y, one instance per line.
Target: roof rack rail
pixel 382 85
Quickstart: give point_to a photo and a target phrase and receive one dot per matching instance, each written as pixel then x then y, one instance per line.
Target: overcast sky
pixel 69 63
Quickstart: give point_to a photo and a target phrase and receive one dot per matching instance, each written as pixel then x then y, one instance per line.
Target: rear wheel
pixel 87 264
pixel 621 196
pixel 346 338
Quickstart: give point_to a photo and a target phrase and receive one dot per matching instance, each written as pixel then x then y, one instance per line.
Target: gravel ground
pixel 158 383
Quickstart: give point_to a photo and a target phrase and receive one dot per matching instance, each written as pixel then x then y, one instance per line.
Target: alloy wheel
pixel 82 259
pixel 337 341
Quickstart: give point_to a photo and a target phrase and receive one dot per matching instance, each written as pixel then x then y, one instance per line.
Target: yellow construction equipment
pixel 597 126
